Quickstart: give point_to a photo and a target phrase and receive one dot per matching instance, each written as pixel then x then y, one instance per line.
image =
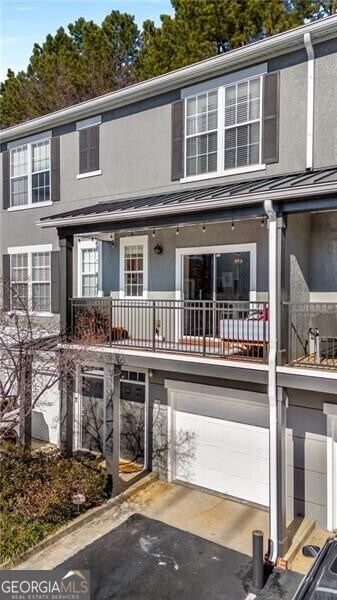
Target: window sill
pixel 26 206
pixel 91 174
pixel 226 173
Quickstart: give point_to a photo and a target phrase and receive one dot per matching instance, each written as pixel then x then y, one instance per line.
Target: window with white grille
pixel 223 129
pixel 89 271
pixel 30 281
pixel 134 270
pixel 30 173
pixel 201 133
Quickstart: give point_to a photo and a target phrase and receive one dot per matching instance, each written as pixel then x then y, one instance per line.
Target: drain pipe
pixel 272 388
pixel 310 100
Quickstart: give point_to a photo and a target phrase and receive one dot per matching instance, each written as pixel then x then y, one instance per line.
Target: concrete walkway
pixel 211 517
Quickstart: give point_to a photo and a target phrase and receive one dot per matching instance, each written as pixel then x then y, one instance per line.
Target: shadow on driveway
pixel 144 559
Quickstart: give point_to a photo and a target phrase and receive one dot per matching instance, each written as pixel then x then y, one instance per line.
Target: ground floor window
pixel 30 277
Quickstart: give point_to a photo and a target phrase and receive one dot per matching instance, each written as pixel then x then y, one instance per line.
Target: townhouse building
pixel 187 225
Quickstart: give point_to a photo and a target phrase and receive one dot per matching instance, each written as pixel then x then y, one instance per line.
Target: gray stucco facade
pixel 135 161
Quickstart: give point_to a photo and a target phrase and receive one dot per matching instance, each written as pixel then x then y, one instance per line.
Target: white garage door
pixel 221 444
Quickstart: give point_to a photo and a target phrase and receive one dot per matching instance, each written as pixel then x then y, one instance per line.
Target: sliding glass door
pixel 210 279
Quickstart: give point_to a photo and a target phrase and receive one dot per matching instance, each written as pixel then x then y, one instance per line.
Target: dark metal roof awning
pixel 279 188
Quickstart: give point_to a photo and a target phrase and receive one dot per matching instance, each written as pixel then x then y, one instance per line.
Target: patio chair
pixel 324 329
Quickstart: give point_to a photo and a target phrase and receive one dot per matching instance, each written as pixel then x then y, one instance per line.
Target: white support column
pixel 277 401
pixel 310 100
pixel 272 392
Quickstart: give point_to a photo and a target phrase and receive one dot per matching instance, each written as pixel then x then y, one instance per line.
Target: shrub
pixel 36 493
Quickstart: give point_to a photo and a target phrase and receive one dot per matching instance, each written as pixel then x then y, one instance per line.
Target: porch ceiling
pixel 208 201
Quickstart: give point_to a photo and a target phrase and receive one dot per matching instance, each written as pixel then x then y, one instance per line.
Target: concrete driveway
pixel 145 559
pixel 216 519
pixel 161 527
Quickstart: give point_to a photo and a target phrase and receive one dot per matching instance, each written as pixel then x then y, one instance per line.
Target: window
pixel 201 133
pixel 242 124
pixel 30 281
pixel 30 173
pixel 133 270
pixel 133 385
pixel 88 268
pixel 223 129
pixel 88 130
pixel 134 267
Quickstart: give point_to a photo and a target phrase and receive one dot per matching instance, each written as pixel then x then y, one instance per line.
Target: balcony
pixel 213 329
pixel 313 335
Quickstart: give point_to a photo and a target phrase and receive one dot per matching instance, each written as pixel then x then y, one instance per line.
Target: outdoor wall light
pixel 158 249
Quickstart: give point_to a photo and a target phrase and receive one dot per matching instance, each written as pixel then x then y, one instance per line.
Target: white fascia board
pixel 276 45
pixel 194 206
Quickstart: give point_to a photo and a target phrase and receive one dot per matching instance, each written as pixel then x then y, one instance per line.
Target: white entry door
pixel 221 444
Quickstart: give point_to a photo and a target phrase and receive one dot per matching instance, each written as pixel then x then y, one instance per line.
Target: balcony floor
pixel 212 348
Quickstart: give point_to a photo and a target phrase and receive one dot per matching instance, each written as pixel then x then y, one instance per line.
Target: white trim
pixel 323 297
pixel 229 79
pixel 239 395
pixel 330 409
pixel 310 100
pixel 90 174
pixel 308 372
pixel 223 249
pixel 134 240
pixel 171 356
pixel 211 67
pixel 30 249
pixel 331 448
pixel 25 206
pixel 38 137
pixel 224 173
pixel 91 122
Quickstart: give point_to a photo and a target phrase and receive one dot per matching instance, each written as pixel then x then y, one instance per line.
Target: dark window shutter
pixel 84 155
pixel 89 149
pixel 270 127
pixel 94 148
pixel 6 282
pixel 6 182
pixel 55 281
pixel 177 140
pixel 55 168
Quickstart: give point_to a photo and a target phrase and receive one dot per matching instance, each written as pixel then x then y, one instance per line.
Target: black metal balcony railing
pixel 217 329
pixel 313 335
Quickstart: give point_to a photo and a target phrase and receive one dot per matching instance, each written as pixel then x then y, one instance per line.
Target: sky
pixel 24 22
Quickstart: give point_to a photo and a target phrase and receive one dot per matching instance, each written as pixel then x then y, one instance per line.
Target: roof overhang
pixel 276 45
pixel 304 197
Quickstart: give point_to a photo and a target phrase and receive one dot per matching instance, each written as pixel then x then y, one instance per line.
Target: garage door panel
pixel 228 457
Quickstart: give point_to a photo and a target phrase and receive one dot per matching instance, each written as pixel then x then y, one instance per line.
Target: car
pixel 320 583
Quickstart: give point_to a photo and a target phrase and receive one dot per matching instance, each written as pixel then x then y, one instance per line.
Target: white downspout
pixel 272 389
pixel 310 100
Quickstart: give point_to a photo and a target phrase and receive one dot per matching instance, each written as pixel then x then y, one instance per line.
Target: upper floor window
pixel 89 146
pixel 201 133
pixel 223 129
pixel 242 124
pixel 30 281
pixel 30 173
